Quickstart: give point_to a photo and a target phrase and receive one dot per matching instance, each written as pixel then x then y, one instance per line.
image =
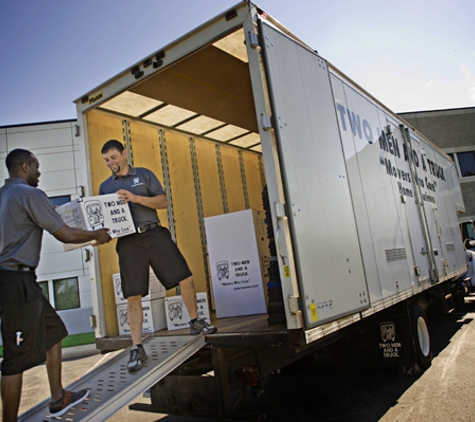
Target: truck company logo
pixel 388 331
pixel 388 143
pixel 136 182
pixel 390 348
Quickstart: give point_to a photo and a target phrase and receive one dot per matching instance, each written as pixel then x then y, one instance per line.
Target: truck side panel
pixel 396 250
pixel 381 222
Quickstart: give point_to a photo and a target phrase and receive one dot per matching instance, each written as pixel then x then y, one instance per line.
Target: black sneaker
pixel 69 399
pixel 137 358
pixel 201 326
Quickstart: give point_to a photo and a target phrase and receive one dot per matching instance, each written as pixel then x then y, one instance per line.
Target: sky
pixel 412 55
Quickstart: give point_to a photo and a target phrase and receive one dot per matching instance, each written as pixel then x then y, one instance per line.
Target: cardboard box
pixel 239 259
pixel 96 212
pixel 153 316
pixel 177 314
pixel 156 289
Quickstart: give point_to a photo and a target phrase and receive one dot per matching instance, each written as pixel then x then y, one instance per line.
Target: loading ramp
pixel 111 386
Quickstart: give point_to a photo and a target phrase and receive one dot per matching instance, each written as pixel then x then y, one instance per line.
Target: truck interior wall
pixel 218 178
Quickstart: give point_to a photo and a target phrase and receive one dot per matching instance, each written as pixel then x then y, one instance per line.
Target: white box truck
pixel 362 209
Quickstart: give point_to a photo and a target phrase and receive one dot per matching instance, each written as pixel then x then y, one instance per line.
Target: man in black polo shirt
pixel 31 329
pixel 152 245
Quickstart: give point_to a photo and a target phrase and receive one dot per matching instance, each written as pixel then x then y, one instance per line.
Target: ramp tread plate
pixel 111 386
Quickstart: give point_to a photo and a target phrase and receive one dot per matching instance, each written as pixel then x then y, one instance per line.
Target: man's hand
pixel 68 234
pixel 102 236
pixel 127 196
pixel 158 202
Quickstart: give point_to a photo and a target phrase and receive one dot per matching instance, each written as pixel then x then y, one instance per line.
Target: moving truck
pixel 361 209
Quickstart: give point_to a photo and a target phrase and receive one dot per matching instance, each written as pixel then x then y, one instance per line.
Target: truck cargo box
pixel 362 210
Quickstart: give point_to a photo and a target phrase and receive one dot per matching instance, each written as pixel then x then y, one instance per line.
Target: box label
pixel 97 212
pixel 177 313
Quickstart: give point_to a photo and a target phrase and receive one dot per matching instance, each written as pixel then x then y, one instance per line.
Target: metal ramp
pixel 112 387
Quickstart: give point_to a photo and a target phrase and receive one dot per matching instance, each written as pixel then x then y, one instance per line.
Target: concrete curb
pixel 80 351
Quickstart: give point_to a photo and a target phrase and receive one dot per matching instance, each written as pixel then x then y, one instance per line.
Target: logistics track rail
pixel 111 386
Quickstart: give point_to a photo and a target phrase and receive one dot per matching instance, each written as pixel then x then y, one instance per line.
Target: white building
pixel 64 276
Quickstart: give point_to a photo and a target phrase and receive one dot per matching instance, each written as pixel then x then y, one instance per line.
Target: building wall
pixel 57 150
pixel 452 130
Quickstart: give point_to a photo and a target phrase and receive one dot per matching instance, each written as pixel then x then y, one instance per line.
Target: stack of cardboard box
pixel 152 305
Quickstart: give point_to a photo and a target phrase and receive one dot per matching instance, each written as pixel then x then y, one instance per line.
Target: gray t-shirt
pixel 139 181
pixel 25 212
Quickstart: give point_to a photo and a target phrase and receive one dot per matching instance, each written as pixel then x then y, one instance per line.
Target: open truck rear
pixel 362 210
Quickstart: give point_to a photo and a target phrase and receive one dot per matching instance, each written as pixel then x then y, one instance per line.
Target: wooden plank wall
pixel 238 177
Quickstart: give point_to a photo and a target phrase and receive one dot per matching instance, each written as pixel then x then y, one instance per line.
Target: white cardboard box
pixel 239 259
pixel 156 289
pixel 153 316
pixel 177 314
pixel 96 212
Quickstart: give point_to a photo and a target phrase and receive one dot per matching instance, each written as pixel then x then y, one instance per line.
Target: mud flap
pixel 390 341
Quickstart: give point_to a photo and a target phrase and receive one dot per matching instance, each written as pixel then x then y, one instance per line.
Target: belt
pixel 146 227
pixel 16 267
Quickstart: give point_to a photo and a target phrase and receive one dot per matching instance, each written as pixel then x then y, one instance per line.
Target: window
pixel 44 287
pixel 66 294
pixel 467 163
pixel 464 163
pixel 63 294
pixel 60 200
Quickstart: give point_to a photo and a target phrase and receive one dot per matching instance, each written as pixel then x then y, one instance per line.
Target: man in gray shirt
pixel 152 245
pixel 31 329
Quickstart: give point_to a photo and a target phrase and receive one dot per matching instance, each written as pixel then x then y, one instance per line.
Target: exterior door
pixel 319 207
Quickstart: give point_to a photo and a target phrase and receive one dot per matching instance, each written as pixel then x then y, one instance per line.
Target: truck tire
pixel 422 336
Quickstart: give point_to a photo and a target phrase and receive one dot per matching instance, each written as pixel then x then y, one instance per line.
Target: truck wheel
pixel 422 337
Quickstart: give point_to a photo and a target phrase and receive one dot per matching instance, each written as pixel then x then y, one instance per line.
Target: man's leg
pixel 137 353
pixel 135 314
pixel 11 394
pixel 188 294
pixel 54 368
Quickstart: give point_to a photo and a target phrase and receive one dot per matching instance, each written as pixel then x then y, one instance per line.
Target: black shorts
pixel 153 248
pixel 30 326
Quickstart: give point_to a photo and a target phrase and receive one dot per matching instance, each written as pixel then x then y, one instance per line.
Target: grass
pixel 79 339
pixel 72 340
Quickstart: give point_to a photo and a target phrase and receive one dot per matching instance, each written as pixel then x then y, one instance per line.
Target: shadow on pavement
pixel 343 387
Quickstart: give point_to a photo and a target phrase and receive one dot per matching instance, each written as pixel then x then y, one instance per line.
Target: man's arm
pixel 68 234
pixel 158 202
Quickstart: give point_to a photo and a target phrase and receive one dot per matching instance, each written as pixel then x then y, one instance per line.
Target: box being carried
pixel 96 212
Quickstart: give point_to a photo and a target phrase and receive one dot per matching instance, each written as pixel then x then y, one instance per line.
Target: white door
pixel 319 207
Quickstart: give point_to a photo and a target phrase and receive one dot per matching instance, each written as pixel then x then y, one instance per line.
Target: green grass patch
pixel 79 339
pixel 72 340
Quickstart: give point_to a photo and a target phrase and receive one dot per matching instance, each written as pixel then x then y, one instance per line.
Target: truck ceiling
pixel 207 93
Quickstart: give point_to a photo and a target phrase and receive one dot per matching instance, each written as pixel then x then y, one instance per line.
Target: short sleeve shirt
pixel 25 212
pixel 139 181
